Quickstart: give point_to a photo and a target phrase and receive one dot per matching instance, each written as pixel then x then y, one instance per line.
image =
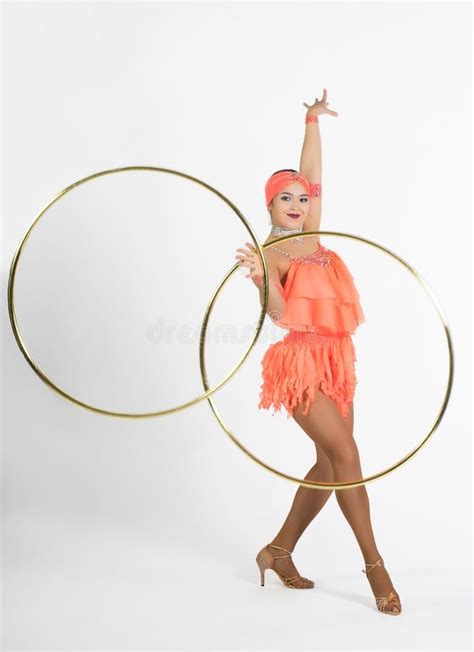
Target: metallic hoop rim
pixel 334 485
pixel 177 408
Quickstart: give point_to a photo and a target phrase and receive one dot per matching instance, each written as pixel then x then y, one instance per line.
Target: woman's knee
pixel 322 459
pixel 344 454
pixel 325 469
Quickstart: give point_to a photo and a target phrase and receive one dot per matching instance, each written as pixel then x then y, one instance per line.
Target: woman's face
pixel 290 206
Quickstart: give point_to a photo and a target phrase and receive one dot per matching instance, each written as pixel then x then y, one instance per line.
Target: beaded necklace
pixel 321 256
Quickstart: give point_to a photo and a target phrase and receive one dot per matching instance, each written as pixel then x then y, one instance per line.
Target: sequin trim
pixel 314 189
pixel 321 256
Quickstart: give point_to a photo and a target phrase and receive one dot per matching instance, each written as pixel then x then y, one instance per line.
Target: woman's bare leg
pixel 307 503
pixel 334 435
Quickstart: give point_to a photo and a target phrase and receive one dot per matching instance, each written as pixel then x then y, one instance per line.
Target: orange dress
pixel 322 311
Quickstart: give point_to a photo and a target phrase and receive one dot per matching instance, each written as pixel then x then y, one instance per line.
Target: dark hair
pixel 285 170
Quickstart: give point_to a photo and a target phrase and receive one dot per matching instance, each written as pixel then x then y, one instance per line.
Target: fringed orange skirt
pixel 302 362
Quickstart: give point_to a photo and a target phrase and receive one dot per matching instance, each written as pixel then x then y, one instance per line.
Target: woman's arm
pixel 311 160
pixel 276 300
pixel 311 167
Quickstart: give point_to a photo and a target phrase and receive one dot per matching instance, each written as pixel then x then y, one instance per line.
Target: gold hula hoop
pixel 375 476
pixel 69 397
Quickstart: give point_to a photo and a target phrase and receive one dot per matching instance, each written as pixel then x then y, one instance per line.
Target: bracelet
pixel 312 118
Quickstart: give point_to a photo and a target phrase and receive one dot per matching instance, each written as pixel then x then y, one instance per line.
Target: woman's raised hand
pixel 320 106
pixel 249 258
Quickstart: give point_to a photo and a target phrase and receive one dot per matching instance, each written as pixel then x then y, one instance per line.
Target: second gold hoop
pixel 375 476
pixel 83 404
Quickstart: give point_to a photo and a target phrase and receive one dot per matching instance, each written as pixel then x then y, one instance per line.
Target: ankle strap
pixel 379 562
pixel 272 545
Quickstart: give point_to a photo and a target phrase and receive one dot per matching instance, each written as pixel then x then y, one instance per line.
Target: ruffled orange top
pixel 320 297
pixel 322 312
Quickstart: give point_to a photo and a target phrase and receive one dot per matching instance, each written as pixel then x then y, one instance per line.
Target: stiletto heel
pixel 389 604
pixel 265 559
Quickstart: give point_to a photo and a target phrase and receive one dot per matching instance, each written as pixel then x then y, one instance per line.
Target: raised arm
pixel 311 159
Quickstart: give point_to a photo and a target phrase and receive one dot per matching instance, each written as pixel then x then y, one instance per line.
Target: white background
pixel 142 533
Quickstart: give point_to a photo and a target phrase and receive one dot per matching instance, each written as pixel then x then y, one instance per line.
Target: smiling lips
pixel 293 215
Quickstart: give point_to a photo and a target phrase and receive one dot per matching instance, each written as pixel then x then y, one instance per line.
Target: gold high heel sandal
pixel 389 604
pixel 266 559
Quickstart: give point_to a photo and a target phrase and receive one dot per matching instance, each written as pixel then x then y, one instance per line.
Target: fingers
pixel 248 259
pixel 245 256
pixel 250 262
pixel 246 253
pixel 250 246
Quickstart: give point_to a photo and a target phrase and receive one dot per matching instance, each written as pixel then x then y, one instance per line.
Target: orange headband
pixel 280 180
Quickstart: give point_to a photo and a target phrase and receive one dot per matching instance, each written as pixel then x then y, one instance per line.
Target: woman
pixel 311 372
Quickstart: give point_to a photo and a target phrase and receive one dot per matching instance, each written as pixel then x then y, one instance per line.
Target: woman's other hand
pixel 249 258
